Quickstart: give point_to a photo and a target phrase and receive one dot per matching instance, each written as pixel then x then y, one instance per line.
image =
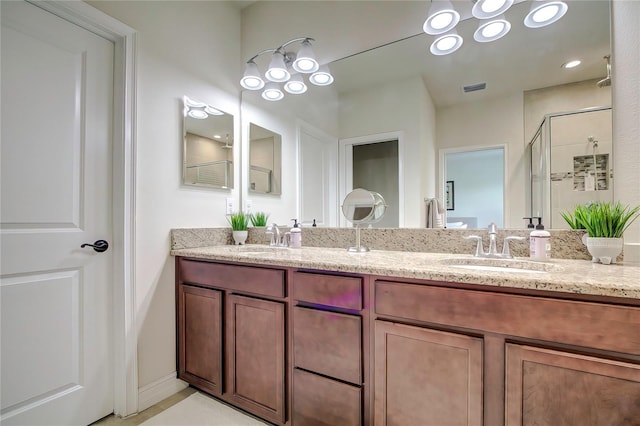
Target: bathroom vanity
pixel 322 336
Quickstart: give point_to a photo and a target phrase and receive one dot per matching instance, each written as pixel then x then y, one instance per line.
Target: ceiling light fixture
pixel 446 44
pixel 442 17
pixel 487 9
pixel 545 12
pixel 286 67
pixel 492 30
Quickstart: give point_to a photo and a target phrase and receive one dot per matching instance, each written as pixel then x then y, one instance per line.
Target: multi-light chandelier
pixel 286 67
pixel 442 19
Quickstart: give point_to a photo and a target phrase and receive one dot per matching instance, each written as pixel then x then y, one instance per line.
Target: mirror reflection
pixel 400 88
pixel 265 157
pixel 207 146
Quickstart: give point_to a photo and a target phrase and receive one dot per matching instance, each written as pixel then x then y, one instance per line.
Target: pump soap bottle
pixel 296 235
pixel 540 242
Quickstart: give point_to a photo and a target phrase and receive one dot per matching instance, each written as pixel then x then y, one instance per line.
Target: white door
pixel 56 297
pixel 318 185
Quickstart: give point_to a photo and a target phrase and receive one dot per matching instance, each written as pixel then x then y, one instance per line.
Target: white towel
pixel 435 213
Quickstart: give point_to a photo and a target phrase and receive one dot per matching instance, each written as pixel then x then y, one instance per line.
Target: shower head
pixel 607 80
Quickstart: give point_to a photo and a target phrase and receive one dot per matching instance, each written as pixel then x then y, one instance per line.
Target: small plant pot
pixel 604 250
pixel 239 237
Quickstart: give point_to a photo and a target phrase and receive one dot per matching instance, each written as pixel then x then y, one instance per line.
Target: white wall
pixel 626 124
pixel 403 106
pixel 184 48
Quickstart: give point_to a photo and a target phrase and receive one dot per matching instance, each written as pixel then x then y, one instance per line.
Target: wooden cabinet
pixel 426 377
pixel 231 336
pixel 306 347
pixel 509 359
pixel 328 344
pixel 200 337
pixel 557 388
pixel 255 350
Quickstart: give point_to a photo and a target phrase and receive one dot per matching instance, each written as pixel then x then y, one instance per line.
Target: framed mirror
pixel 265 161
pixel 208 137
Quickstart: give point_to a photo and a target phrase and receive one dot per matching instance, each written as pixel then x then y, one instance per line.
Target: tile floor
pixel 145 415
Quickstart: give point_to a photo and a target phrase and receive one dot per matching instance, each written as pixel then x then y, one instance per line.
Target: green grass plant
pixel 603 219
pixel 239 221
pixel 259 219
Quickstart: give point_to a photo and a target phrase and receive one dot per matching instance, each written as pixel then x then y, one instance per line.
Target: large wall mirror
pixel 207 146
pixel 265 161
pixel 524 67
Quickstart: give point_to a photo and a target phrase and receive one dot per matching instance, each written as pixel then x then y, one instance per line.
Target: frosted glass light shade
pixel 486 9
pixel 277 71
pixel 492 30
pixel 251 79
pixel 306 60
pixel 545 12
pixel 295 85
pixel 322 77
pixel 272 92
pixel 441 18
pixel 446 44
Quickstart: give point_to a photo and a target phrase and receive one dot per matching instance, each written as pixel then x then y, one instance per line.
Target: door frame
pixel 345 170
pixel 124 351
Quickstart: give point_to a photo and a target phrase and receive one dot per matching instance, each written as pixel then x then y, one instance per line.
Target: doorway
pixel 473 182
pixel 373 163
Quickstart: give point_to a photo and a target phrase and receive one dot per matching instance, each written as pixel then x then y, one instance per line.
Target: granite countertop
pixel 562 275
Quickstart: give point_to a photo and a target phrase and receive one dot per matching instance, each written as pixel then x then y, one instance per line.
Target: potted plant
pixel 239 222
pixel 259 219
pixel 605 224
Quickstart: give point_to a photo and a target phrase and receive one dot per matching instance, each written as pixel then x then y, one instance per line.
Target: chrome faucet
pixel 493 246
pixel 278 239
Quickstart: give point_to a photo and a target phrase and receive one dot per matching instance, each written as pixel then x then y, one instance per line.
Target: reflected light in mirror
pixel 441 18
pixel 322 77
pixel 446 44
pixel 493 30
pixel 545 12
pixel 485 9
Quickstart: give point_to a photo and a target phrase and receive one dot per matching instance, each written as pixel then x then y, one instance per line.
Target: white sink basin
pixel 502 265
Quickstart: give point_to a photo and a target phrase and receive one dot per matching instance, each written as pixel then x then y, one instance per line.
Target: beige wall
pixel 403 106
pixel 184 48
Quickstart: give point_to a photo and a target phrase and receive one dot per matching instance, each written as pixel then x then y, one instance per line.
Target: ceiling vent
pixel 475 87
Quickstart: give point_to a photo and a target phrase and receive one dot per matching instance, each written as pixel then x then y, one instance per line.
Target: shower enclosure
pixel 570 163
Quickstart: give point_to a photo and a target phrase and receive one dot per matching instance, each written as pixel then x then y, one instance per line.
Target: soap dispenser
pixel 295 238
pixel 540 242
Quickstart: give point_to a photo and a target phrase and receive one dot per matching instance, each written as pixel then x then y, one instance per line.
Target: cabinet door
pixel 199 337
pixel 426 377
pixel 547 387
pixel 255 354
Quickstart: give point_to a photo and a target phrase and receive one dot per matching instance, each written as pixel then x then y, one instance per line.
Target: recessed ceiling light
pixel 571 64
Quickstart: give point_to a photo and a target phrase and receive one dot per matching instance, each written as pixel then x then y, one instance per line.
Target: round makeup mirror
pixel 360 207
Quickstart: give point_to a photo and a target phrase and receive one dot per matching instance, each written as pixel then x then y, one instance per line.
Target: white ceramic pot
pixel 604 250
pixel 240 237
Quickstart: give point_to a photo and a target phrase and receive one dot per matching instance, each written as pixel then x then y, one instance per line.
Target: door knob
pixel 99 246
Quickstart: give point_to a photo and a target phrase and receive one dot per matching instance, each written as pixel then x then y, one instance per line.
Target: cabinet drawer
pixel 248 279
pixel 587 324
pixel 321 401
pixel 328 343
pixel 329 290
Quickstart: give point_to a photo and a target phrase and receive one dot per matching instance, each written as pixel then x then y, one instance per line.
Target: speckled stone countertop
pixel 561 275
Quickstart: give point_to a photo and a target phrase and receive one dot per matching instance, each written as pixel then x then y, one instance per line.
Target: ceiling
pixel 360 44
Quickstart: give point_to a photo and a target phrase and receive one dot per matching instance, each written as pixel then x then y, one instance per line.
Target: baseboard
pixel 162 388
